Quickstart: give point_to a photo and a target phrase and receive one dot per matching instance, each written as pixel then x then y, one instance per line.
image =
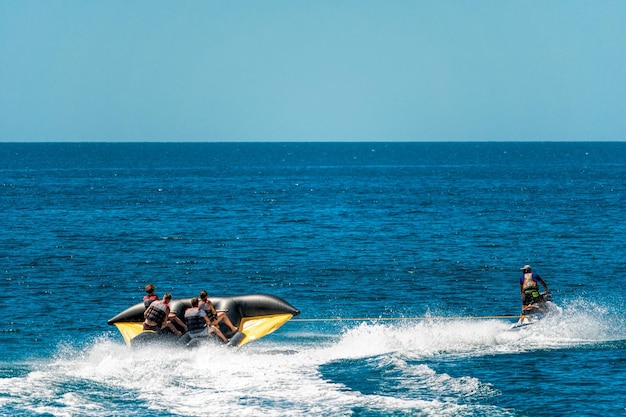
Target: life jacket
pixel 204 305
pixel 529 282
pixel 195 319
pixel 148 299
pixel 530 289
pixel 156 312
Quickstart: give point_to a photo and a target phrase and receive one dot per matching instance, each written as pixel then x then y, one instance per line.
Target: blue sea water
pixel 402 257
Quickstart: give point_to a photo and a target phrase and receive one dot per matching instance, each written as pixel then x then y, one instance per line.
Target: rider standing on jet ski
pixel 529 288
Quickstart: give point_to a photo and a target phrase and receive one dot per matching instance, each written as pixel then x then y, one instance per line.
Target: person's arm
pixel 542 282
pixel 205 317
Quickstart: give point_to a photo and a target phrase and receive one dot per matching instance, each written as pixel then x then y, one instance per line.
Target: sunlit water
pixel 427 237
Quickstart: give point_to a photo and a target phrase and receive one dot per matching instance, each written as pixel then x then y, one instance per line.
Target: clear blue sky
pixel 290 70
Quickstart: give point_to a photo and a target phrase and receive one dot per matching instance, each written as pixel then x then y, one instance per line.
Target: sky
pixel 316 70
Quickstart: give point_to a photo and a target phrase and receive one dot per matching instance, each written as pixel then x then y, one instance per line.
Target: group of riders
pixel 201 320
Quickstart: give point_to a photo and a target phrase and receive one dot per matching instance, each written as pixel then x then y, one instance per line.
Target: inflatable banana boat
pixel 256 315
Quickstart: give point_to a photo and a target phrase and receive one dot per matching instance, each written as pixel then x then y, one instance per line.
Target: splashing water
pixel 291 377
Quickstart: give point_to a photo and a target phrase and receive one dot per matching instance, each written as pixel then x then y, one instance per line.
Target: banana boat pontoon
pixel 256 315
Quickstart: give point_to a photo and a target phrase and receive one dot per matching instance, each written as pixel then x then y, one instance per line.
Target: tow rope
pixel 406 318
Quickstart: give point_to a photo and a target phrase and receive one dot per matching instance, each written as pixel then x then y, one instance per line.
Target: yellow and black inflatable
pixel 256 315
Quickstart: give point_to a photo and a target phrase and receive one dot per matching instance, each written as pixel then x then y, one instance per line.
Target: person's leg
pixel 223 317
pixel 179 322
pixel 215 329
pixel 173 328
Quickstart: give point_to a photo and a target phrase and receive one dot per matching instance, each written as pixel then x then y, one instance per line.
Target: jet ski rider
pixel 529 288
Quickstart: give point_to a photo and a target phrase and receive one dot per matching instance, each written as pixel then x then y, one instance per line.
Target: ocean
pixel 403 258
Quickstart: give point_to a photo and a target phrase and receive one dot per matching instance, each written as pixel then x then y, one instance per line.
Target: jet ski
pixel 536 311
pixel 256 315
